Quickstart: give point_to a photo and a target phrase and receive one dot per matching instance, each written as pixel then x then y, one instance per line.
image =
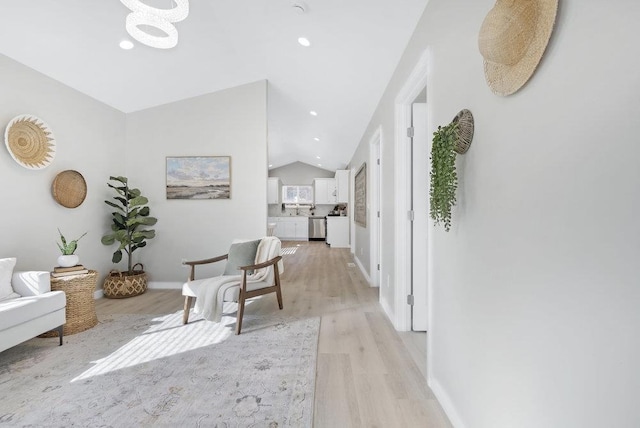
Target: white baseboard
pixel 362 269
pixel 445 402
pixel 164 285
pixel 98 294
pixel 387 309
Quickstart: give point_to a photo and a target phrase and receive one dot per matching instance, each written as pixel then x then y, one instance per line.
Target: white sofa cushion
pixel 23 309
pixel 6 271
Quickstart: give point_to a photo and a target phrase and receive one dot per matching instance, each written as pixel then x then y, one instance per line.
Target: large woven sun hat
pixel 512 40
pixel 30 142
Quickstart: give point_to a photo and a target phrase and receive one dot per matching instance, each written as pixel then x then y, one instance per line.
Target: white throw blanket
pixel 211 292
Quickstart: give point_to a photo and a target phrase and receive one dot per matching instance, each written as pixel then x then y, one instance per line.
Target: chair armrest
pixel 31 283
pixel 261 265
pixel 194 263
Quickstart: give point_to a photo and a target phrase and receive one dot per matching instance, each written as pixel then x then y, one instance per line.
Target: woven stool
pixel 81 307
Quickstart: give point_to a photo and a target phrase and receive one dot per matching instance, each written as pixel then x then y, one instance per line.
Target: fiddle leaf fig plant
pixel 130 219
pixel 444 179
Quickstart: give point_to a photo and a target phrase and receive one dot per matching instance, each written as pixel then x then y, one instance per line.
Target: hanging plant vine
pixel 444 179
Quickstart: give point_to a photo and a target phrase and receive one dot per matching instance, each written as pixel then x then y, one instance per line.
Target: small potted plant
pixel 444 179
pixel 128 228
pixel 68 248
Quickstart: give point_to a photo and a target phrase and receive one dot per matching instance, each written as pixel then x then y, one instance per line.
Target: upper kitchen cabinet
pixel 342 186
pixel 273 190
pixel 325 191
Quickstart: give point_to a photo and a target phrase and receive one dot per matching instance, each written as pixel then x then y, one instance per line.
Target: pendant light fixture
pixel 161 19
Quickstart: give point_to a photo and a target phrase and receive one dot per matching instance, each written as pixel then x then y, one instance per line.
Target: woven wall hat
pixel 512 40
pixel 30 141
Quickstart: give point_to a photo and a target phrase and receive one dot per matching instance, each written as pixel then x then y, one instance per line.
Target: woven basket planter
pixel 119 285
pixel 465 131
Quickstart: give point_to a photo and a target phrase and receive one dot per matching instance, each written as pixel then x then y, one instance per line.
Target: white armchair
pixel 247 274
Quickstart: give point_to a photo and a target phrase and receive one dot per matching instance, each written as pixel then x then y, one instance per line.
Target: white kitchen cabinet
pixel 325 191
pixel 338 231
pixel 342 186
pixel 293 228
pixel 273 190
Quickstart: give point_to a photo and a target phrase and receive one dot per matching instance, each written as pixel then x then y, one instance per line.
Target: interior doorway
pixel 414 91
pixel 419 191
pixel 375 218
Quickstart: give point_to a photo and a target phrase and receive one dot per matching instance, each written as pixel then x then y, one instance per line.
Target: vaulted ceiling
pixel 355 46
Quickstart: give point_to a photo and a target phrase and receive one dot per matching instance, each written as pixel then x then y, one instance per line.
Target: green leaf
pixel 121 179
pixel 108 239
pixel 117 257
pixel 137 201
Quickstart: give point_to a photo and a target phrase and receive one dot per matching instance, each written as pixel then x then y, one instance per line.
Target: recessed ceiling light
pixel 319 164
pixel 317 157
pixel 313 113
pixel 317 139
pixel 126 44
pixel 270 166
pixel 304 42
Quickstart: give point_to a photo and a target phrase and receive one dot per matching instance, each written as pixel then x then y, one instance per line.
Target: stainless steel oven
pixel 317 228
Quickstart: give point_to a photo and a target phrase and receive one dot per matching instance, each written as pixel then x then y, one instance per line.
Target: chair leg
pixel 278 292
pixel 187 307
pixel 60 333
pixel 240 312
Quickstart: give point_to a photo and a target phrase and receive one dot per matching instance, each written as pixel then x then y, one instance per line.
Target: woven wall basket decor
pixel 69 188
pixel 30 142
pixel 465 131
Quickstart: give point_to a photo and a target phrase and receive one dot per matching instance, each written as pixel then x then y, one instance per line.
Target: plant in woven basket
pixel 130 220
pixel 444 179
pixel 68 248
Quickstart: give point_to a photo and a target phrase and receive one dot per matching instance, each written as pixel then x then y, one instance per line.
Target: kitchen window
pixel 297 194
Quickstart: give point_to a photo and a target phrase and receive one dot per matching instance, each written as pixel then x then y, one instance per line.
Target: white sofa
pixel 31 310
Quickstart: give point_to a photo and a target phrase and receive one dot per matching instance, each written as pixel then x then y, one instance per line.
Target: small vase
pixel 68 260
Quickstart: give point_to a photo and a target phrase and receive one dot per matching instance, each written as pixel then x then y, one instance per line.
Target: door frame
pixel 375 237
pixel 415 83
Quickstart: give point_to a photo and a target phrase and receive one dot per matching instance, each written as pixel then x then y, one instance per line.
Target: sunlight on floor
pixel 165 337
pixel 288 251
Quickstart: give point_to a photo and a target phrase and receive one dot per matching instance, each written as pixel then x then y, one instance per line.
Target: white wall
pixel 89 138
pixel 232 123
pixel 535 298
pixel 300 174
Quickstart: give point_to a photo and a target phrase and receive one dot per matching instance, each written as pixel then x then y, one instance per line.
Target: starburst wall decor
pixel 30 142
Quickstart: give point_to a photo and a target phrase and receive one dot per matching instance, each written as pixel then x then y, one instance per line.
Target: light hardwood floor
pixel 366 373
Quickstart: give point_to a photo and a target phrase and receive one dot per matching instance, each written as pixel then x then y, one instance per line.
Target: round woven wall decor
pixel 69 188
pixel 465 131
pixel 30 142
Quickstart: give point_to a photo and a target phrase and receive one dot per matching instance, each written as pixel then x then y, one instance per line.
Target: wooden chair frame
pixel 243 294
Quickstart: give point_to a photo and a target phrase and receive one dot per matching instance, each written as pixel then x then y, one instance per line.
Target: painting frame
pixel 198 177
pixel 360 196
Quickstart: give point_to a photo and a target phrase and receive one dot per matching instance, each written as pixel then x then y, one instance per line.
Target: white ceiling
pixel 356 45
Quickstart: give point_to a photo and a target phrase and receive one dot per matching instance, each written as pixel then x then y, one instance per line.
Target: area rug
pixel 143 371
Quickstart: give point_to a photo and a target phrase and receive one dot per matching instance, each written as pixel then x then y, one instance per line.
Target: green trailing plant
pixel 130 219
pixel 68 248
pixel 444 179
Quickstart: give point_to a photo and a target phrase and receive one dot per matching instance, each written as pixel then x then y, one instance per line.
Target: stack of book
pixel 59 271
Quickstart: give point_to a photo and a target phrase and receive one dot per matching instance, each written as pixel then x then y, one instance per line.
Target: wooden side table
pixel 81 307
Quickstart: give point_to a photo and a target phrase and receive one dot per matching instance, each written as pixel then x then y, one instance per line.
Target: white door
pixel 421 151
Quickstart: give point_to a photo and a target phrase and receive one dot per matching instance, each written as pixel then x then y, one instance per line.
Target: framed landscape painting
pixel 199 177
